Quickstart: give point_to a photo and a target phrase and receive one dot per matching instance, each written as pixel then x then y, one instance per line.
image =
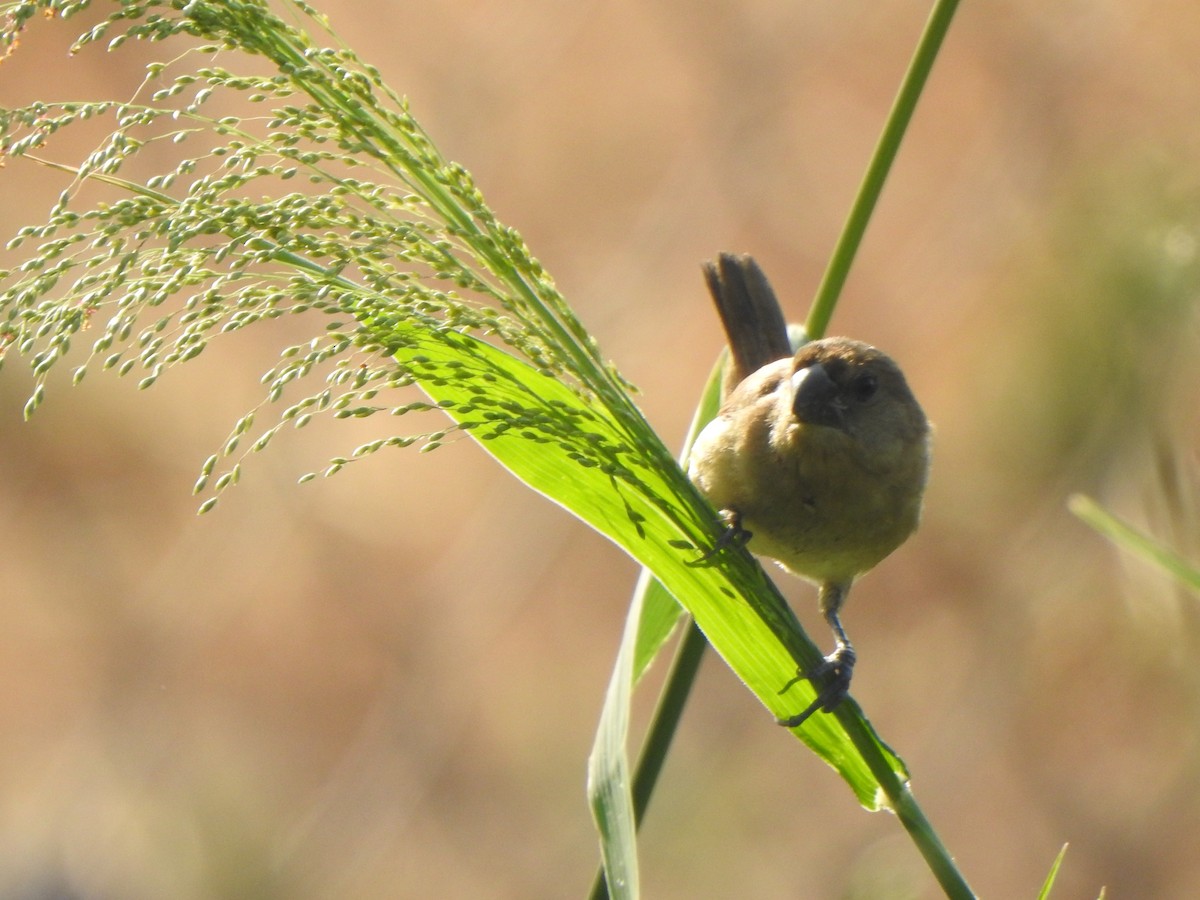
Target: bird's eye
pixel 864 386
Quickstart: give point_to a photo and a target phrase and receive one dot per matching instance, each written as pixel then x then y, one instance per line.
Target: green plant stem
pixel 663 725
pixel 904 804
pixel 877 171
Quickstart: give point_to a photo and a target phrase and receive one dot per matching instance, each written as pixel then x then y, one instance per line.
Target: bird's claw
pixel 832 677
pixel 733 535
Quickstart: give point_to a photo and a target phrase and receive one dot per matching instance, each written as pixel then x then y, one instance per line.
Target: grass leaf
pixel 1129 538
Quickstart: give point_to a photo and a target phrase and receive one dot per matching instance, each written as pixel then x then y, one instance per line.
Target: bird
pixel 817 459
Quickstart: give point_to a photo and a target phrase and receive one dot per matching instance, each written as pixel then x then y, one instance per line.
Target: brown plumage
pixel 820 458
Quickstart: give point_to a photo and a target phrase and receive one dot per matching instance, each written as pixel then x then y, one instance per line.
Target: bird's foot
pixel 832 679
pixel 733 535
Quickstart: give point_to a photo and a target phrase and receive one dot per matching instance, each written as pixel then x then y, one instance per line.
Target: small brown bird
pixel 819 459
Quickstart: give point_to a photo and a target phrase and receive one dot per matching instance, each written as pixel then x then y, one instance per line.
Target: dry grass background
pixel 386 684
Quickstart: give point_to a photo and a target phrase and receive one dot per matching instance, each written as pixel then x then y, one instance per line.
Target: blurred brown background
pixel 386 684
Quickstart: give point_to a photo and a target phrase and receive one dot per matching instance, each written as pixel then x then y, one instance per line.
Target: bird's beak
pixel 815 397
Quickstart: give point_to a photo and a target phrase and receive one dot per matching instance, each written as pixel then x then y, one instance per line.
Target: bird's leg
pixel 838 666
pixel 836 669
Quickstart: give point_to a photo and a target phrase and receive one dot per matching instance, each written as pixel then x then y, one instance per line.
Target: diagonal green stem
pixel 877 171
pixel 904 805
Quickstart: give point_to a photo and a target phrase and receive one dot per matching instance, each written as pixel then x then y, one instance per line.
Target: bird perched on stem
pixel 817 458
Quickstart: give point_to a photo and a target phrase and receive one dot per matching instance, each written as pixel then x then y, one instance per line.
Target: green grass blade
pixel 659 735
pixel 731 598
pixel 653 616
pixel 610 790
pixel 1129 538
pixel 1047 886
pixel 660 615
